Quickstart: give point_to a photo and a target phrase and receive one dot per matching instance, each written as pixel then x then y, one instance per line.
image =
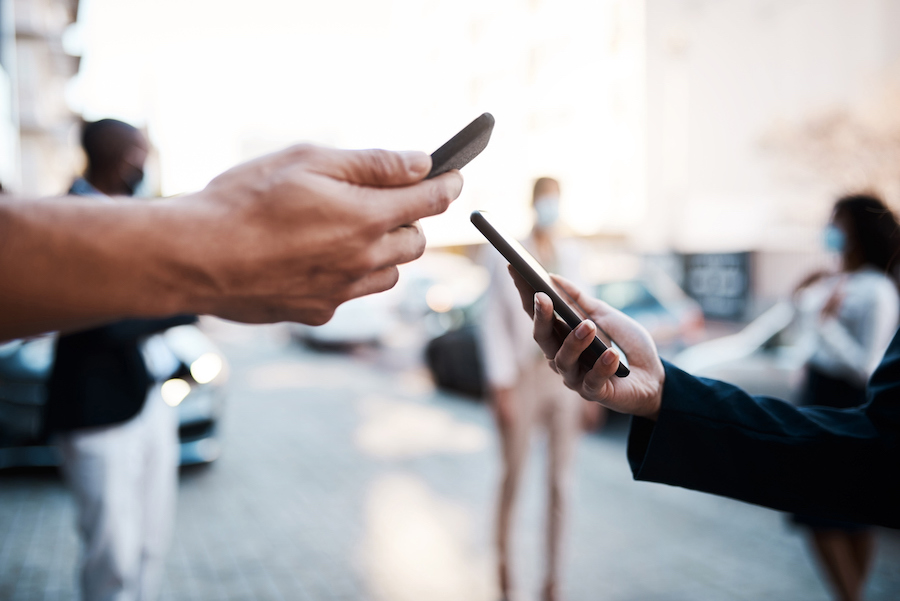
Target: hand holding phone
pixel 567 311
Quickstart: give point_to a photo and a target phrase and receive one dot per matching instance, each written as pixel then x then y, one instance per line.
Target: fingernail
pixel 609 356
pixel 457 185
pixel 537 306
pixel 583 329
pixel 417 163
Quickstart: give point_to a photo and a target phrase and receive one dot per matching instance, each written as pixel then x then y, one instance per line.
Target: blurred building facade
pixel 38 149
pixel 759 115
pixel 750 107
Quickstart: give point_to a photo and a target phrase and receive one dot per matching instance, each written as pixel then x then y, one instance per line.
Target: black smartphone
pixel 566 310
pixel 463 147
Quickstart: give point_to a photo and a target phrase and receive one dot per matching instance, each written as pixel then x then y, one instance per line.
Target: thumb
pixel 376 168
pixel 631 336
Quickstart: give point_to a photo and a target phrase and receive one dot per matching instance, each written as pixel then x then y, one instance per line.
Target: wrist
pixel 654 402
pixel 655 405
pixel 179 267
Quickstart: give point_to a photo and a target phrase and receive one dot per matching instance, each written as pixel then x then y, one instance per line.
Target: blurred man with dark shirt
pixel 117 438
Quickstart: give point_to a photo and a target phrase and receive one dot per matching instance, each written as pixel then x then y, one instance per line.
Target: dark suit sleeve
pixel 713 437
pixel 99 376
pixel 133 329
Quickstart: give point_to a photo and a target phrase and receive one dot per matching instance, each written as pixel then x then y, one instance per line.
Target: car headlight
pixel 439 298
pixel 174 391
pixel 206 367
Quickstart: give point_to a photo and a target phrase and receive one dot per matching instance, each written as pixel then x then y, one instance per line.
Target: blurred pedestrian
pixel 848 318
pixel 118 440
pixel 527 395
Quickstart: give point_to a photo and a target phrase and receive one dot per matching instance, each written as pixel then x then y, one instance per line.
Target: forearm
pixel 88 263
pixel 860 349
pixel 715 438
pixel 851 356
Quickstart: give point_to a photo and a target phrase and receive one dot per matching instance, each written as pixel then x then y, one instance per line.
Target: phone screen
pixel 567 311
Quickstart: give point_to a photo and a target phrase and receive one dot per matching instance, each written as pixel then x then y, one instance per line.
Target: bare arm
pixel 289 236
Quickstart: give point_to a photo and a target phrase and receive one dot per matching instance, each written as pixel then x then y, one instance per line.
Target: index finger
pixel 373 167
pixel 559 330
pixel 631 337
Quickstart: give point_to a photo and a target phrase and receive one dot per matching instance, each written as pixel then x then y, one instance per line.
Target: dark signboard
pixel 720 282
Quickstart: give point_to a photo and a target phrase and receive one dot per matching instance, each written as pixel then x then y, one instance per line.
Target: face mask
pixel 546 210
pixel 133 180
pixel 142 190
pixel 834 239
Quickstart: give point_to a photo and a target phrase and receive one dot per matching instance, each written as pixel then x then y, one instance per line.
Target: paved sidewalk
pixel 350 478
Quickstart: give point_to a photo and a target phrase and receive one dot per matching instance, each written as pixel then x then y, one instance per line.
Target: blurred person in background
pixel 118 440
pixel 847 319
pixel 527 395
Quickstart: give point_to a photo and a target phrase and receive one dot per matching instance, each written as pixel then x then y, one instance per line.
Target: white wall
pixel 723 76
pixel 217 81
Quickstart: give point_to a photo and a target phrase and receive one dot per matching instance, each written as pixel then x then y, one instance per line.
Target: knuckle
pixel 301 151
pixel 372 222
pixel 441 197
pixel 562 361
pixel 344 293
pixel 393 276
pixel 436 200
pixel 416 243
pixel 387 279
pixel 383 163
pixel 320 317
pixel 368 262
pixel 360 269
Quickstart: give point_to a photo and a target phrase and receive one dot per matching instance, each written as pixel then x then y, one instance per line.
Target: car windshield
pixel 631 297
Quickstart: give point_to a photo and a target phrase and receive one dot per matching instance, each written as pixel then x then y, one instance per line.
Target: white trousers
pixel 124 479
pixel 542 403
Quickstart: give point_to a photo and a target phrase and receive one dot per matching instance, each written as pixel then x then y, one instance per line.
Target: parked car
pixel 673 319
pixel 435 292
pixel 763 358
pixel 364 320
pixel 649 296
pixel 197 389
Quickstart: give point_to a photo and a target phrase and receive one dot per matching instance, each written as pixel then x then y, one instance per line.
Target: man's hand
pixel 639 393
pixel 289 236
pixel 293 235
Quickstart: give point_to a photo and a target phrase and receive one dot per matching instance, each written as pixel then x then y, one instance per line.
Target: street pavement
pixel 347 476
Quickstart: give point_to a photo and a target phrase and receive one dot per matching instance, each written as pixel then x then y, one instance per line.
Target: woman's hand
pixel 639 393
pixel 833 305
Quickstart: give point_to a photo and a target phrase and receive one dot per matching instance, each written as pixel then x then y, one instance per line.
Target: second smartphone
pixel 568 312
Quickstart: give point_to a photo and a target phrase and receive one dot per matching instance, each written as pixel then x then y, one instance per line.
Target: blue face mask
pixel 546 209
pixel 834 239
